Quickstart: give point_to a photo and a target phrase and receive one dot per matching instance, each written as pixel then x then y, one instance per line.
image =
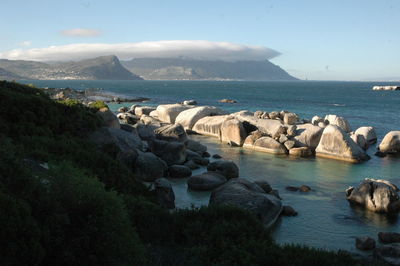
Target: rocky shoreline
pixel 154 143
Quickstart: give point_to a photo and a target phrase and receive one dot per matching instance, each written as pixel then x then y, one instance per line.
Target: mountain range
pixel 111 68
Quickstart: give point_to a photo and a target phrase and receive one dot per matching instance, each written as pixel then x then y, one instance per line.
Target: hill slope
pixel 105 67
pixel 191 69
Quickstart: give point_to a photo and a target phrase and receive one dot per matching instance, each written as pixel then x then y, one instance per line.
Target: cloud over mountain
pixel 206 50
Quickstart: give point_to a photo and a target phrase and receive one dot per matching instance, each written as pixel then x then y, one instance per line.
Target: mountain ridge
pixel 99 68
pixel 111 68
pixel 195 69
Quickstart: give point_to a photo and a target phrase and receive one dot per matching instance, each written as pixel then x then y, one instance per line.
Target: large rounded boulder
pixel 225 167
pixel 210 125
pixel 269 145
pixel 172 152
pixel 390 143
pixel 171 132
pixel 167 113
pixel 244 194
pixel 364 137
pixel 233 132
pixel 206 181
pixel 188 118
pixel 149 167
pixel 109 118
pixel 375 195
pixel 338 121
pixel 336 144
pixel 308 135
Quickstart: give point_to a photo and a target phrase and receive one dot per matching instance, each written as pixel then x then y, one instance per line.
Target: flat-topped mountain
pixel 110 68
pixel 100 68
pixel 193 69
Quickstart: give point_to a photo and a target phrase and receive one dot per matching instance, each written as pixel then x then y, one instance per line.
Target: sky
pixel 315 40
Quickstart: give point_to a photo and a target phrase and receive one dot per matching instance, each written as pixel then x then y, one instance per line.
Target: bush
pixel 97 105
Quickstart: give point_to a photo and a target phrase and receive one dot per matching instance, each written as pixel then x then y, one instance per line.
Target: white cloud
pixel 166 49
pixel 81 32
pixel 25 43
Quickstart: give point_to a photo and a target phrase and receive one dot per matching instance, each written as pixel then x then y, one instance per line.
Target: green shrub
pixel 97 105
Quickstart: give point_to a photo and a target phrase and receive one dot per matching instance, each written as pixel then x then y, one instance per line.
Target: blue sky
pixel 323 40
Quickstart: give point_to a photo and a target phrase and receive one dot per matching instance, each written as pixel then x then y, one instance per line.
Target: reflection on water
pixel 326 219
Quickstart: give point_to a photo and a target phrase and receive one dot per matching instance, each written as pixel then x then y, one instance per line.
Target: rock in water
pixel 375 195
pixel 232 131
pixel 109 118
pixel 390 143
pixel 308 135
pixel 389 237
pixel 249 196
pixel 195 146
pixel 301 152
pixel 288 211
pixel 179 171
pixel 227 168
pixel 365 243
pixel 149 167
pixel 336 144
pixel 364 137
pixel 206 181
pixel 251 139
pixel 165 193
pixel 338 121
pixel 267 144
pixel 167 113
pixel 188 118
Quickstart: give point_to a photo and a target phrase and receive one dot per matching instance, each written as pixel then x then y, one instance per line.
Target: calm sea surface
pixel 325 218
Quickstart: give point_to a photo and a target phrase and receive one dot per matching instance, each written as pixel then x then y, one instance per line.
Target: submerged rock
pixel 389 237
pixel 249 196
pixel 390 143
pixel 288 211
pixel 336 144
pixel 375 195
pixel 365 243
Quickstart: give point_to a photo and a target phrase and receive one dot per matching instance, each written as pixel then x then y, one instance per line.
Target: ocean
pixel 325 218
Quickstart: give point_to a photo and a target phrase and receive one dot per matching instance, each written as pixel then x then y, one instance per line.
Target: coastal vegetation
pixel 64 201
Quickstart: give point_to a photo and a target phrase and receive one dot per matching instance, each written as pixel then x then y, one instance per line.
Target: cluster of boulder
pixel 153 142
pixel 273 132
pixel 386 250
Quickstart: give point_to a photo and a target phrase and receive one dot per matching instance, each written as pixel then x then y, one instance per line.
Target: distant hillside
pixel 100 68
pixel 7 75
pixel 190 69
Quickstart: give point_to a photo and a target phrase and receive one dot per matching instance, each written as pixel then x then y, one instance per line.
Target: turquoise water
pixel 325 218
